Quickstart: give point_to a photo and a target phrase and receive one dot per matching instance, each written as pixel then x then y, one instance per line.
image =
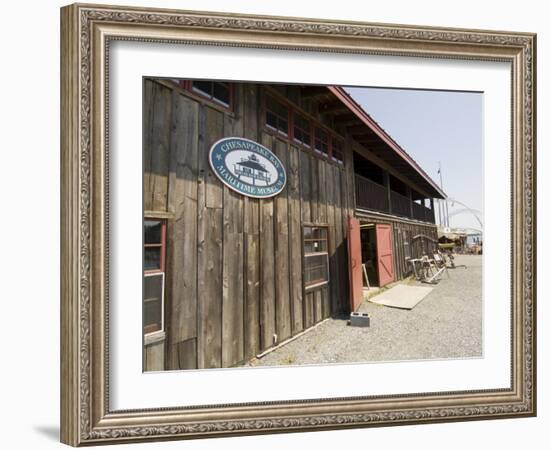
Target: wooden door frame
pixel 352 294
pixel 392 251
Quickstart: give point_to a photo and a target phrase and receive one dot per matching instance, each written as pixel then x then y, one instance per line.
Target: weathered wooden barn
pixel 228 276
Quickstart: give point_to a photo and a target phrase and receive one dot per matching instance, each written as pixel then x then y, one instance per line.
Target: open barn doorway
pixel 370 250
pixel 377 253
pixel 368 253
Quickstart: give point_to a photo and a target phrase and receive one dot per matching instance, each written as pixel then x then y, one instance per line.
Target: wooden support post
pixel 409 194
pixel 388 188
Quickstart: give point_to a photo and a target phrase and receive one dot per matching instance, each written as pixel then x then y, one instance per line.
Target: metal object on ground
pixel 359 319
pixel 451 259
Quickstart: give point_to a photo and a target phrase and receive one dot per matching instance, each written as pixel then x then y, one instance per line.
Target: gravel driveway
pixel 446 324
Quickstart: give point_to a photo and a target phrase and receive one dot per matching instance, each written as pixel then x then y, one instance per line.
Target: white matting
pixel 402 296
pixel 131 388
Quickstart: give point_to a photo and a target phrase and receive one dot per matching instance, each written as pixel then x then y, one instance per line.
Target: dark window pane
pixel 276 115
pixel 319 245
pixel 283 126
pixel 203 86
pixel 153 231
pixel 320 233
pixel 301 130
pixel 214 90
pixel 271 120
pixel 152 258
pixel 337 156
pixel 302 137
pixel 316 269
pixel 277 107
pixel 321 135
pixel 221 93
pixel 368 169
pixel 301 122
pixel 321 148
pixel 321 141
pixel 152 303
pixel 316 241
pixel 337 151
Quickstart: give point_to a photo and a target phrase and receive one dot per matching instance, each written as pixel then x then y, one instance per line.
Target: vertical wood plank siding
pixel 234 265
pixel 210 244
pixel 341 248
pixel 282 274
pixel 267 264
pixel 295 240
pixel 181 285
pixel 252 263
pixel 160 150
pixel 233 255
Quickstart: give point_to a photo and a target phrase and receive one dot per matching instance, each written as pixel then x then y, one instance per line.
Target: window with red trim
pixel 316 267
pixel 153 275
pixel 298 127
pixel 276 115
pixel 321 141
pixel 217 91
pixel 302 130
pixel 337 153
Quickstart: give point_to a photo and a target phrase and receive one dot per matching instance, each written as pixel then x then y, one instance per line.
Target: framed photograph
pixel 279 224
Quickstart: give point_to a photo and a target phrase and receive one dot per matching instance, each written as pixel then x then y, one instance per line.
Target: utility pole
pixel 445 210
pixel 439 200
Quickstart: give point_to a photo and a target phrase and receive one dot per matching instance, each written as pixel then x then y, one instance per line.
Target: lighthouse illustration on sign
pixel 251 167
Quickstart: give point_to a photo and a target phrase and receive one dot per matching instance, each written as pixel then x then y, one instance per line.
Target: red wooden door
pixel 384 253
pixel 354 263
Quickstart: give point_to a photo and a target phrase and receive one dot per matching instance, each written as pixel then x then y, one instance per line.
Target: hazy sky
pixel 433 127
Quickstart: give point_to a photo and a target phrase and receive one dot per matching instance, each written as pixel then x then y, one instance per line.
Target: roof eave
pixel 356 109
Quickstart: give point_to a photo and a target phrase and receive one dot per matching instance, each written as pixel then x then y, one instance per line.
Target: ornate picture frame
pixel 86 34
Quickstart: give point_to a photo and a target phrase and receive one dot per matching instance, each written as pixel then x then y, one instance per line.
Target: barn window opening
pixel 153 275
pixel 369 253
pixel 321 141
pixel 276 115
pixel 368 169
pixel 297 126
pixel 217 91
pixel 302 133
pixel 315 244
pixel 337 153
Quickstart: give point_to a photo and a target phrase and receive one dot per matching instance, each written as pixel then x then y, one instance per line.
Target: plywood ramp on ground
pixel 402 296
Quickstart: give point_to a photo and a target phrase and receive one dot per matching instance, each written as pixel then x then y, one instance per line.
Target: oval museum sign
pixel 247 167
